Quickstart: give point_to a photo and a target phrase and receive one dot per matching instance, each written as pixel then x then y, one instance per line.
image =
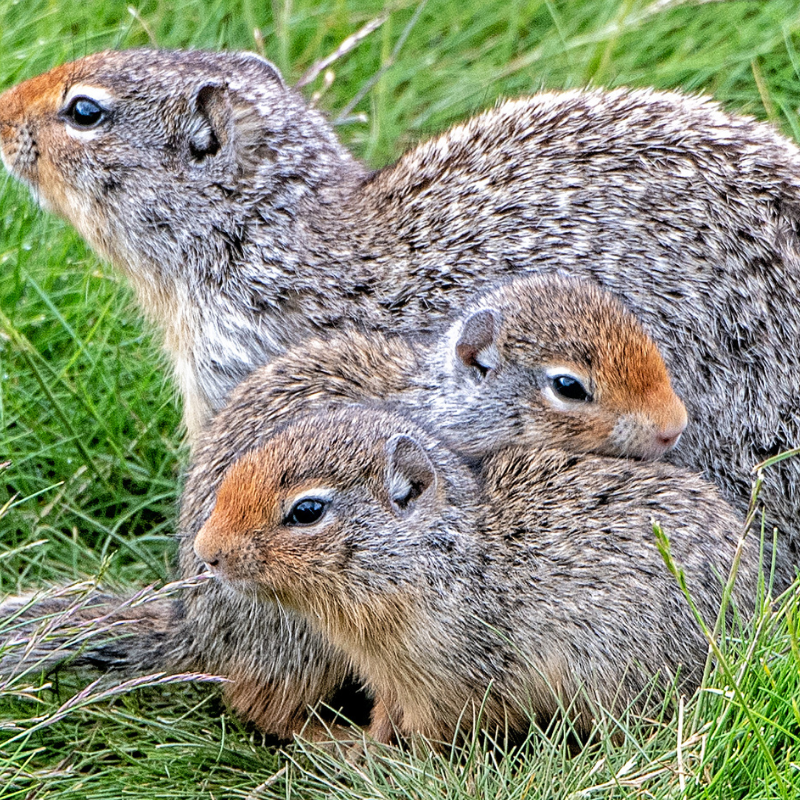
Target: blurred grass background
pixel 90 442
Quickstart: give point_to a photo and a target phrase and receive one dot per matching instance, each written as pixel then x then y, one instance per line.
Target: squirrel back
pixel 542 580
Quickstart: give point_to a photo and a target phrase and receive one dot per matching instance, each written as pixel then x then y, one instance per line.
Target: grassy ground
pixel 90 430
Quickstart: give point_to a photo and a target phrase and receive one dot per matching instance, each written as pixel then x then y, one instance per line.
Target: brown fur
pixel 542 585
pixel 243 252
pixel 350 367
pixel 493 381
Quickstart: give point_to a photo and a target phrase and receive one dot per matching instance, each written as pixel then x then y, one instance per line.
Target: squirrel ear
pixel 267 70
pixel 409 473
pixel 476 346
pixel 210 120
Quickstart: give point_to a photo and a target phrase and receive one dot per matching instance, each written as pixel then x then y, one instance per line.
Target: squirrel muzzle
pixel 208 549
pixel 37 99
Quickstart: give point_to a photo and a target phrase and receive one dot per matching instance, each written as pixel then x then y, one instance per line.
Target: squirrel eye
pixel 306 512
pixel 570 388
pixel 84 113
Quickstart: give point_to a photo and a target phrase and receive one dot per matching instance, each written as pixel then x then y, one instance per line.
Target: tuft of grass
pixel 91 430
pixel 176 740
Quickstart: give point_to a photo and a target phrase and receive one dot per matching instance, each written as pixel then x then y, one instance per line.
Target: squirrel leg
pixel 284 702
pixel 383 723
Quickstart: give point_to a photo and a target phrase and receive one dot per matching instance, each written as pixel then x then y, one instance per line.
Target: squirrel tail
pixel 84 627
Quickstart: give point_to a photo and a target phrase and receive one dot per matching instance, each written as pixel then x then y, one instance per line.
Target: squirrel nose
pixel 213 562
pixel 666 441
pixel 208 551
pixel 668 437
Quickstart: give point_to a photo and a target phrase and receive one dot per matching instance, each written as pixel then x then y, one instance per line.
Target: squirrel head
pixel 556 362
pixel 340 516
pixel 150 153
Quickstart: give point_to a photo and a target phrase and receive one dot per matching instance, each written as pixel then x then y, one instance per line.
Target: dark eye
pixel 306 512
pixel 570 388
pixel 84 113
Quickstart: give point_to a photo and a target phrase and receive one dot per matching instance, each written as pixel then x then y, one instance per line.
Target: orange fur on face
pixel 28 112
pixel 636 381
pixel 247 500
pixel 41 95
pixel 245 539
pixel 36 99
pixel 551 323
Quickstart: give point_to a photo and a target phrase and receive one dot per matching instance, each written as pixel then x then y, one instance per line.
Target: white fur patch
pixel 97 93
pixel 83 135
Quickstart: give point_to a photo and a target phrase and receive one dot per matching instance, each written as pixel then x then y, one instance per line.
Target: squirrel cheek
pixel 19 153
pixel 49 172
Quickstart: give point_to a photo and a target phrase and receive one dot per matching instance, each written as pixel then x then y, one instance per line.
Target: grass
pixel 91 430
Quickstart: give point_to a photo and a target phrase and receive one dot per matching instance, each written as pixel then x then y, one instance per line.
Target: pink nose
pixel 208 551
pixel 668 437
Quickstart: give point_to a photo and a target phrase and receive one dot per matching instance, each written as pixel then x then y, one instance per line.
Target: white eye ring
pixel 321 495
pixel 94 94
pixel 559 400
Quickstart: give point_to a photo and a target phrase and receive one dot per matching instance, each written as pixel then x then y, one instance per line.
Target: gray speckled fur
pixel 545 570
pixel 690 215
pixel 687 213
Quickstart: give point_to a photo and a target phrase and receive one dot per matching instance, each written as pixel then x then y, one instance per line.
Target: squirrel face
pixel 135 147
pixel 556 362
pixel 297 519
pixel 188 171
pixel 353 518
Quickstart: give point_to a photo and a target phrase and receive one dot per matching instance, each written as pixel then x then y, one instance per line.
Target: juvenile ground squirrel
pixel 542 582
pixel 244 225
pixel 541 360
pixel 547 361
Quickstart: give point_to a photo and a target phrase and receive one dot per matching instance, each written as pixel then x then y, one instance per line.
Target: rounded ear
pixel 209 124
pixel 409 473
pixel 266 68
pixel 476 347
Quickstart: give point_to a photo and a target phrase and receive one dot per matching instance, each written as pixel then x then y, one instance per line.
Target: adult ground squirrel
pixel 244 225
pixel 541 583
